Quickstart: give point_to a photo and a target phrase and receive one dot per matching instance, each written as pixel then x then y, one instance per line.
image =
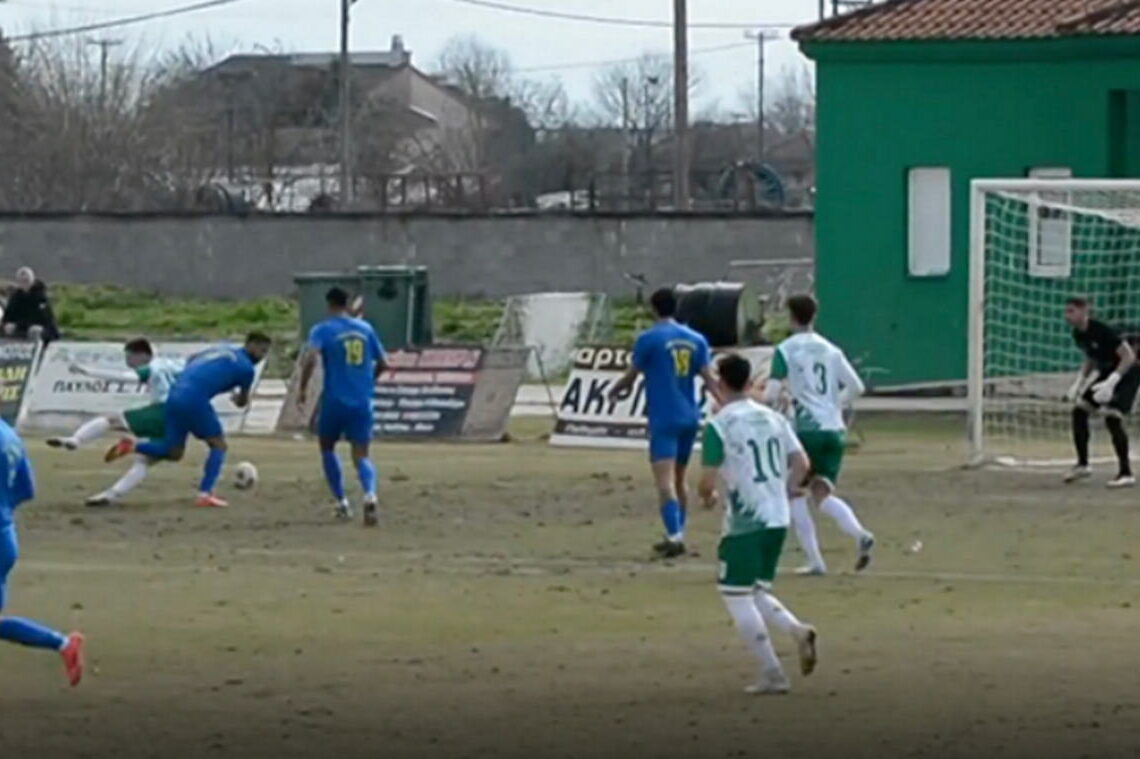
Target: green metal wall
pixel 984 109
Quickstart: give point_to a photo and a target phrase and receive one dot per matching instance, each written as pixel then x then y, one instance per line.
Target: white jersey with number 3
pixel 815 372
pixel 751 443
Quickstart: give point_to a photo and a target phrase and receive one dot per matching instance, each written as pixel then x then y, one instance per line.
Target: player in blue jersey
pixel 189 410
pixel 670 355
pixel 353 358
pixel 17 486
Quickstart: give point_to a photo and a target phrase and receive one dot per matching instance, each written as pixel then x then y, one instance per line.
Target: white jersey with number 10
pixel 815 372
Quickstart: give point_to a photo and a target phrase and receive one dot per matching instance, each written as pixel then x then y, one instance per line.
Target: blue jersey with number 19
pixel 350 350
pixel 671 355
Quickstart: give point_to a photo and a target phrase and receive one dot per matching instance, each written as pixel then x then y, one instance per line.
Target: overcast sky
pixel 311 25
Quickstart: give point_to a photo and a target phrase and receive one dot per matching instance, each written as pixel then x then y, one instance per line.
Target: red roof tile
pixel 977 19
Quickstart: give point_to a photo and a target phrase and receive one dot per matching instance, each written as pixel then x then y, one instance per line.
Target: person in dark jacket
pixel 28 310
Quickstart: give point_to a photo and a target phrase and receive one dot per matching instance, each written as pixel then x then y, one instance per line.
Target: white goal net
pixel 1034 244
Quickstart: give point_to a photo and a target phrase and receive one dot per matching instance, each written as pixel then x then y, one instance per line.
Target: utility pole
pixel 345 109
pixel 627 140
pixel 104 44
pixel 680 106
pixel 761 36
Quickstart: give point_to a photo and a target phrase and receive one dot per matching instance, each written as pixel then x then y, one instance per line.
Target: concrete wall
pixel 472 256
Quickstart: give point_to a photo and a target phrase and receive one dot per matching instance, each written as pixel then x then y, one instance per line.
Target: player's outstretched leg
pixel 1080 422
pixel 125 484
pixel 366 472
pixel 777 615
pixel 750 624
pixel 334 476
pixel 1115 424
pixel 844 516
pixel 28 632
pixel 92 429
pixel 211 472
pixel 805 532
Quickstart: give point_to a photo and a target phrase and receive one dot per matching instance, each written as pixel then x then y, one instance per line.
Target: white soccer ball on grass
pixel 245 476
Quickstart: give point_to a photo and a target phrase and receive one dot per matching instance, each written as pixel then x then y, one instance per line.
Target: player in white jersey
pixel 751 454
pixel 158 374
pixel 821 382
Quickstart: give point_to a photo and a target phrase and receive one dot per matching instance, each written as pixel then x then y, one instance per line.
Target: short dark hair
pixel 664 302
pixel 1079 301
pixel 258 337
pixel 734 370
pixel 803 309
pixel 139 345
pixel 337 297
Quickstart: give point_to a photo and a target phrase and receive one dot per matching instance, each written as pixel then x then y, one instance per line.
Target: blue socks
pixel 213 469
pixel 673 518
pixel 366 470
pixel 333 474
pixel 29 633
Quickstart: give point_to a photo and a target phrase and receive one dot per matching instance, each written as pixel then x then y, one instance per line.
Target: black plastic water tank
pixel 726 313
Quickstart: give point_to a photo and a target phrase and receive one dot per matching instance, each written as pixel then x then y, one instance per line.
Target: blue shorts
pixel 352 423
pixel 190 416
pixel 674 444
pixel 9 552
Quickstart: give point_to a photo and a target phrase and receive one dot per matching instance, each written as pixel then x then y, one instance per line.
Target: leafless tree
pixel 789 102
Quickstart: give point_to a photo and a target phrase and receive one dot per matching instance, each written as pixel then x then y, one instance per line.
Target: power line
pixel 492 4
pixel 124 21
pixel 633 59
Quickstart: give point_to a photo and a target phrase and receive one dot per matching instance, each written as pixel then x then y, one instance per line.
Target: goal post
pixel 1034 243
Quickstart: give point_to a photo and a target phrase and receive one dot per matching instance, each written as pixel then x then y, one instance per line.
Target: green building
pixel 915 99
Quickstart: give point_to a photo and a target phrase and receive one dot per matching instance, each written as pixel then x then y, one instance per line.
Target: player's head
pixel 802 309
pixel 734 372
pixel 664 303
pixel 1077 311
pixel 138 352
pixel 337 300
pixel 257 345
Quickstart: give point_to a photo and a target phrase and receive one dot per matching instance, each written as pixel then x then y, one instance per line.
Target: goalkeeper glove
pixel 1103 391
pixel 1074 392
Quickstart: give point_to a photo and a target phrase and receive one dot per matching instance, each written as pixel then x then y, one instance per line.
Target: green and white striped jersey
pixel 750 444
pixel 815 372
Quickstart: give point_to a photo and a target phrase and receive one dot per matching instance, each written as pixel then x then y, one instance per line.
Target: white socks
pixel 775 613
pixel 92 429
pixel 132 477
pixel 805 531
pixel 751 627
pixel 837 509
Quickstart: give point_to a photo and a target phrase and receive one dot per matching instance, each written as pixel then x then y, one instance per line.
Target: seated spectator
pixel 28 312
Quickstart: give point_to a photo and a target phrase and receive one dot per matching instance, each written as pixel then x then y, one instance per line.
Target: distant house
pixel 270 115
pixel 915 99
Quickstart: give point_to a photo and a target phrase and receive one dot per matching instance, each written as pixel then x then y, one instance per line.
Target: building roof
pixel 898 20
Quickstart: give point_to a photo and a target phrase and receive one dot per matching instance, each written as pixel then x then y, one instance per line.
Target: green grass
pixel 106 312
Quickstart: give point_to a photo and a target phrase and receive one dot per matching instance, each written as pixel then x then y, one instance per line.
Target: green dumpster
pixel 397 301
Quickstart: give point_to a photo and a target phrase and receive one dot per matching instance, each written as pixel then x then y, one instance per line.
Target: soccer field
pixel 508 607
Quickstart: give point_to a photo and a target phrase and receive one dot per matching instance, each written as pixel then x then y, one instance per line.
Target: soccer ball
pixel 245 477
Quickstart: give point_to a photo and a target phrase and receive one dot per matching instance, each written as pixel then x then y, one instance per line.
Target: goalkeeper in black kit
pixel 1108 380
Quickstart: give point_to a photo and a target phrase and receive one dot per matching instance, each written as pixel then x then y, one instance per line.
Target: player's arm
pixel 115 375
pixel 309 364
pixel 774 387
pixel 1126 359
pixel 708 374
pixel 712 459
pixel 244 388
pixel 625 382
pixel 850 382
pixel 798 463
pixel 381 356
